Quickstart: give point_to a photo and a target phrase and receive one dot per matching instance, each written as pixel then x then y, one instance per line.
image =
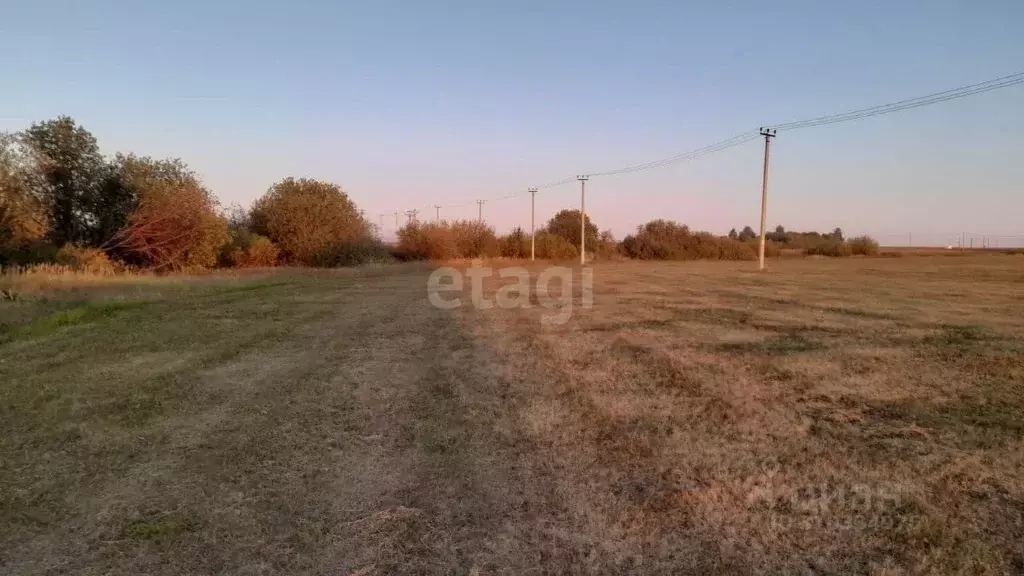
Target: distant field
pixel 829 416
pixel 954 251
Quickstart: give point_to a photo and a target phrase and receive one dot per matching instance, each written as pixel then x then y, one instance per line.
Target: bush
pixel 606 248
pixel 863 245
pixel 474 239
pixel 566 223
pixel 730 249
pixel 91 260
pixel 514 245
pixel 771 249
pixel 257 252
pixel 829 247
pixel 448 240
pixel 665 240
pixel 175 227
pixel 427 241
pixel 368 251
pixel 312 222
pixel 554 247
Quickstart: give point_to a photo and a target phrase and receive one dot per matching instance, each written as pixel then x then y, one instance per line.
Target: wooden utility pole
pixel 583 217
pixel 533 211
pixel 768 134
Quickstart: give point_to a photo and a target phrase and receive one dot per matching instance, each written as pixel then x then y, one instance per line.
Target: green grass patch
pixel 255 287
pixel 156 529
pixel 781 345
pixel 88 313
pixel 858 312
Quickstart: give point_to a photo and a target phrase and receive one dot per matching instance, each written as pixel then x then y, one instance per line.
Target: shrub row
pixel 469 239
pixel 666 240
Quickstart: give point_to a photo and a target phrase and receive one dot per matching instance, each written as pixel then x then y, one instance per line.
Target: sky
pixel 407 104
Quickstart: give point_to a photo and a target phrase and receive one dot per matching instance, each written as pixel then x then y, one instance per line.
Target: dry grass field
pixel 857 416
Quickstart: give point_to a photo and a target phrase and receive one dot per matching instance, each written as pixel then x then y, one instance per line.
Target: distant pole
pixel 437 217
pixel 362 214
pixel 396 219
pixel 533 211
pixel 412 215
pixel 583 217
pixel 381 221
pixel 480 210
pixel 768 134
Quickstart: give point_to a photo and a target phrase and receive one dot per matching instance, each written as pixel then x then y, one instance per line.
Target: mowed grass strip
pixel 826 417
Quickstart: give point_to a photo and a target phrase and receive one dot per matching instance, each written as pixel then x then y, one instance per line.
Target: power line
pixel 743 138
pixel 935 98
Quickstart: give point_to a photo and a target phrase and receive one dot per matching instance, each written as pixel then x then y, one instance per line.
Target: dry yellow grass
pixel 860 416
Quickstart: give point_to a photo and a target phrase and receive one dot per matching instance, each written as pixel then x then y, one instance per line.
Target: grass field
pixel 861 416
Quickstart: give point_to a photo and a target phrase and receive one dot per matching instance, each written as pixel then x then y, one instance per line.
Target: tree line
pixel 62 200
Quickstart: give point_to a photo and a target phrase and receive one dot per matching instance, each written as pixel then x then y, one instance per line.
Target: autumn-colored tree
pixel 427 241
pixel 516 244
pixel 23 214
pixel 175 223
pixel 474 239
pixel 566 223
pixel 309 220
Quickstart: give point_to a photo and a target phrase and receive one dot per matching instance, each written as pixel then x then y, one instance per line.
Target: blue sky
pixel 407 103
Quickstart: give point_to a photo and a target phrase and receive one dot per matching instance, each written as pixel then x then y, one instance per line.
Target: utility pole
pixel 533 211
pixel 437 217
pixel 480 210
pixel 362 214
pixel 412 215
pixel 583 217
pixel 768 134
pixel 396 219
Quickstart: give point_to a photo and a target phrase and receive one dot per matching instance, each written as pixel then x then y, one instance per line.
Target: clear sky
pixel 411 103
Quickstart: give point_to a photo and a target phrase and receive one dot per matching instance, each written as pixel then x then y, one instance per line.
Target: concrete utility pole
pixel 768 134
pixel 480 210
pixel 583 217
pixel 437 216
pixel 396 219
pixel 533 211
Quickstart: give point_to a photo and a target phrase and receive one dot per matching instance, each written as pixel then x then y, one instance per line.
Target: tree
pixel 837 234
pixel 73 172
pixel 566 224
pixel 747 234
pixel 23 215
pixel 733 235
pixel 127 177
pixel 309 220
pixel 779 235
pixel 175 223
pixel 515 245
